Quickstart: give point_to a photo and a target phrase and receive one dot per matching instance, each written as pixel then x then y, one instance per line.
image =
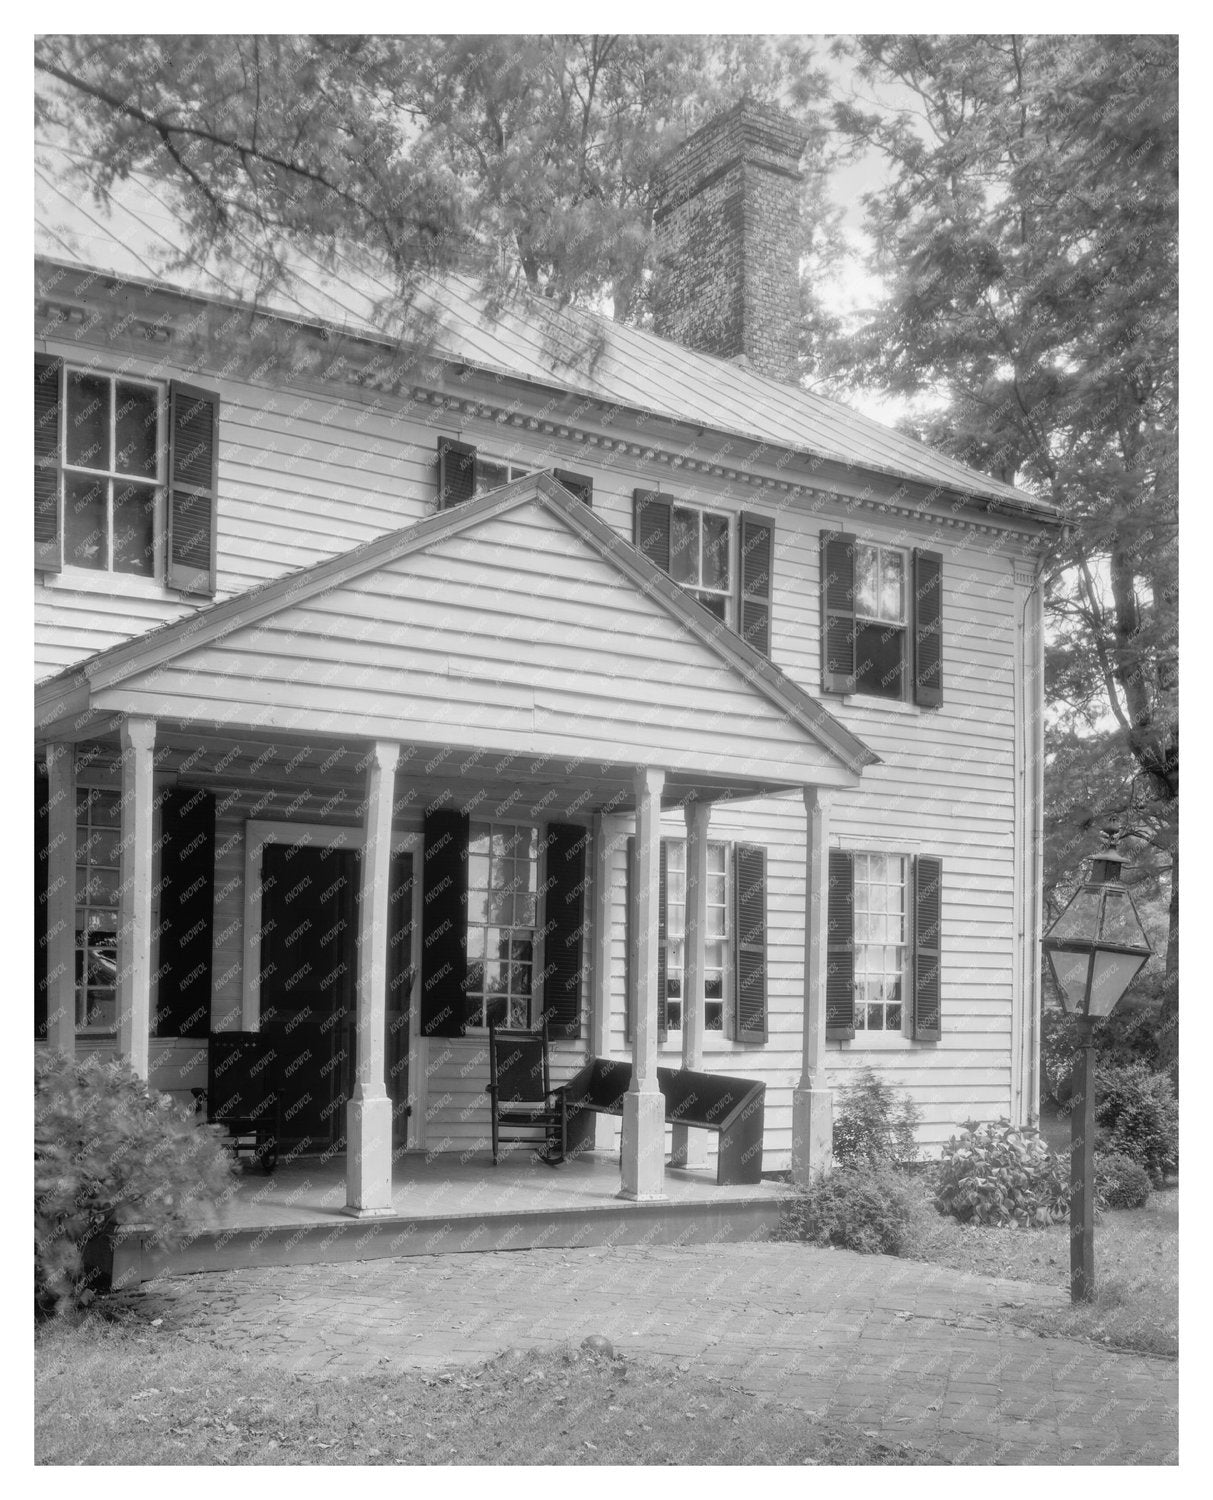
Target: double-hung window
pixel 113 461
pixel 701 558
pixel 502 891
pixel 97 839
pixel 717 950
pixel 881 946
pixel 492 473
pixel 880 620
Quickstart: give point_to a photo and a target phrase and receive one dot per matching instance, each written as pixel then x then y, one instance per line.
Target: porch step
pixel 342 1238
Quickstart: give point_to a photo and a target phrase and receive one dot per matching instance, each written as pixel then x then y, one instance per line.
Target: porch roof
pixel 519 623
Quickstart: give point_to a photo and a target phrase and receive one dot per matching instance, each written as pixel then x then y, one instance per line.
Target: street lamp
pixel 1096 949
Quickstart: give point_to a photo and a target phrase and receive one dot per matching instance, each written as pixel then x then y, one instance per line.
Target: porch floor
pixel 296 1215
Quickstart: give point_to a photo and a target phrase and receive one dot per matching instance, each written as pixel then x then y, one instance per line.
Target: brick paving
pixel 914 1353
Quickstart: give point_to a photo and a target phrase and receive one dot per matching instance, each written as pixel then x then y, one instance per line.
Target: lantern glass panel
pixel 1070 972
pixel 1114 973
pixel 1120 921
pixel 1081 918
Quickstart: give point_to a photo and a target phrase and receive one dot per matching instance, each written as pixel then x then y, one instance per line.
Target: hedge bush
pixel 874 1124
pixel 1120 1182
pixel 1000 1174
pixel 1139 1114
pixel 107 1152
pixel 1129 1035
pixel 869 1209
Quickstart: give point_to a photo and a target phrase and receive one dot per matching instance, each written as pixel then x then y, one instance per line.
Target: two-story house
pixel 399 674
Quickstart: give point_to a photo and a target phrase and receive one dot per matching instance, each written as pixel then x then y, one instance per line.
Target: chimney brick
pixel 728 277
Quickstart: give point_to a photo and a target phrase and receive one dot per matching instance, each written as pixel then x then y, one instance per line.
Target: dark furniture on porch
pixel 733 1107
pixel 521 1096
pixel 242 1092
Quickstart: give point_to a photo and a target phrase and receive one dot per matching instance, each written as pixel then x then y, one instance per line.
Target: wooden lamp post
pixel 1096 949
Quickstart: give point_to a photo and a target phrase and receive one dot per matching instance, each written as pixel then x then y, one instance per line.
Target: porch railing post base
pixel 369 1156
pixel 812 1132
pixel 689 1148
pixel 642 1173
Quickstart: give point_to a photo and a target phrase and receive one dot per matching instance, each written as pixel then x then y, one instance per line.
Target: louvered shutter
pixel 580 486
pixel 928 886
pixel 193 488
pixel 754 582
pixel 662 941
pixel 750 905
pixel 928 628
pixel 48 405
pixel 652 520
pixel 837 612
pixel 840 947
pixel 42 834
pixel 444 929
pixel 187 913
pixel 456 473
pixel 564 929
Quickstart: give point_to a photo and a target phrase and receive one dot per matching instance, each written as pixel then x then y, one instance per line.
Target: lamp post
pixel 1096 949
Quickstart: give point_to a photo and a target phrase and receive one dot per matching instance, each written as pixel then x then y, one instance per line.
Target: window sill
pixel 113 585
pixel 882 705
pixel 876 1041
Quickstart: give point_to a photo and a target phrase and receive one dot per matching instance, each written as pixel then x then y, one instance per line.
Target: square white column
pixel 643 1147
pixel 61 899
pixel 135 894
pixel 812 1103
pixel 690 1147
pixel 368 1160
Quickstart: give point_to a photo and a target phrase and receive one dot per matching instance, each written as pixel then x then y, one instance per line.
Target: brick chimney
pixel 727 281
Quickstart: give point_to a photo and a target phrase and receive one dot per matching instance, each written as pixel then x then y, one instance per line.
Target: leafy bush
pixel 1139 1114
pixel 874 1124
pixel 999 1174
pixel 1120 1182
pixel 107 1152
pixel 1129 1035
pixel 869 1209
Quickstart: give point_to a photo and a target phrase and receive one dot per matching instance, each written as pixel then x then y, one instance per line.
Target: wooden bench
pixel 733 1107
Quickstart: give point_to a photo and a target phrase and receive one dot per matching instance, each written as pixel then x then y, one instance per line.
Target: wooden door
pixel 308 984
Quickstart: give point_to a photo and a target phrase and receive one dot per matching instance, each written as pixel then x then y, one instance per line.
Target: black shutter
pixel 754 582
pixel 840 947
pixel 837 612
pixel 750 904
pixel 193 488
pixel 652 523
pixel 444 926
pixel 187 913
pixel 580 486
pixel 928 628
pixel 456 472
pixel 42 837
pixel 928 883
pixel 48 401
pixel 564 929
pixel 662 942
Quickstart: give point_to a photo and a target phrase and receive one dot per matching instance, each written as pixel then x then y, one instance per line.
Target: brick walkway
pixel 915 1353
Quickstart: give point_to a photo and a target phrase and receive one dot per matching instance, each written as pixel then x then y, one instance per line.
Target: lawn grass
pixel 1136 1305
pixel 127 1392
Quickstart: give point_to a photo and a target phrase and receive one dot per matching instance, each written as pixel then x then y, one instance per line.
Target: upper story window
pixel 463 474
pixel 882 620
pixel 492 473
pixel 701 558
pixel 125 476
pixel 113 471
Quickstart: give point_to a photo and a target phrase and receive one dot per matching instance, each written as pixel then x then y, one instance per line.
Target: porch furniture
pixel 242 1093
pixel 521 1097
pixel 732 1107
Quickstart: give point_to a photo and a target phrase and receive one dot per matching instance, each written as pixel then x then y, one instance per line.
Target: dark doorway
pixel 399 993
pixel 308 984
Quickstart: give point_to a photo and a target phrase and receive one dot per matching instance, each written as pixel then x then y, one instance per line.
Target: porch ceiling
pixel 516 641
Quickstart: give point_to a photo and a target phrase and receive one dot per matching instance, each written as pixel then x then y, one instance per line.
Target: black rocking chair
pixel 521 1095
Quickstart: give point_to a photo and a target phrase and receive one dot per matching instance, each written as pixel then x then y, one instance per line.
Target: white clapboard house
pixel 397 673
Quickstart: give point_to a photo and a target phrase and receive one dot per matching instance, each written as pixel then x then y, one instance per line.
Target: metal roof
pixel 139 237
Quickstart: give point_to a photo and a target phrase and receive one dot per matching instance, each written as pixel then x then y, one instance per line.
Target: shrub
pixel 1139 1114
pixel 869 1209
pixel 1120 1182
pixel 874 1124
pixel 1129 1035
pixel 107 1152
pixel 998 1174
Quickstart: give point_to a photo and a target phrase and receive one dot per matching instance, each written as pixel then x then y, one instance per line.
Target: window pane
pixel 478 839
pixel 892 587
pixel 478 911
pixel 478 871
pixel 893 1018
pixel 867 573
pixel 86 523
pixel 88 420
pixel 490 476
pixel 716 552
pixel 134 535
pixel 715 604
pixel 713 1017
pixel 495 1011
pixel 673 1015
pixel 879 653
pixel 875 1017
pixel 684 547
pixel 100 1011
pixel 135 423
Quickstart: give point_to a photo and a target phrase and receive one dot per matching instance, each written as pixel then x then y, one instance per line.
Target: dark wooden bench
pixel 733 1107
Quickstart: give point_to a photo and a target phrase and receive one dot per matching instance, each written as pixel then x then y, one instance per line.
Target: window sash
pixel 880 564
pixel 881 941
pixel 98 831
pixel 491 473
pixel 503 885
pixel 717 937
